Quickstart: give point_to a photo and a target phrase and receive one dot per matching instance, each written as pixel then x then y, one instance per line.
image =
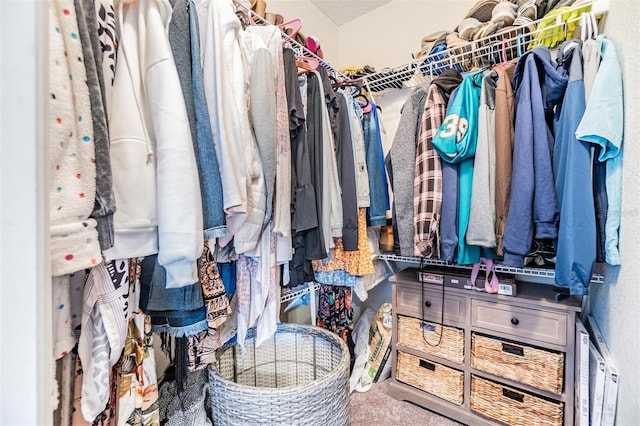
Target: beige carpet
pixel 376 407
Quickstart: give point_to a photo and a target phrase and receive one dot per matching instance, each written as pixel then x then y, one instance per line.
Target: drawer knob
pixel 515 321
pixel 427 304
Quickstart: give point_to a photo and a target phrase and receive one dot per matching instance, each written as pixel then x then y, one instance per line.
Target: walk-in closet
pixel 354 212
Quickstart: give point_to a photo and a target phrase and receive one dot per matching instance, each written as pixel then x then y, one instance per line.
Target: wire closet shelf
pixel 499 47
pixel 596 278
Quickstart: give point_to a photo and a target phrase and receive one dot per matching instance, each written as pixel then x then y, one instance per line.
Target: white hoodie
pixel 159 208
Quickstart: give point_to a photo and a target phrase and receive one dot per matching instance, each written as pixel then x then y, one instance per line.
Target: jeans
pixel 378 189
pixel 177 311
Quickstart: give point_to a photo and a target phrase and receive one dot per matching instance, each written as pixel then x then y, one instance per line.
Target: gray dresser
pixel 500 360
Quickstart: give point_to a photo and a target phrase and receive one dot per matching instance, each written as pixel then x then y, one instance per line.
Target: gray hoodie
pixel 403 157
pixel 482 217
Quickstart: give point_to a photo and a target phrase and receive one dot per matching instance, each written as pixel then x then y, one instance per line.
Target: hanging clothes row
pixel 340 184
pixel 202 166
pixel 520 161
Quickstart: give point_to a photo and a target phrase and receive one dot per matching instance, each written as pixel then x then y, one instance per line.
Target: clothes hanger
pixel 492 50
pixel 365 100
pixel 295 26
pixel 520 44
pixel 366 105
pixel 588 26
pixel 245 17
pixel 503 56
pixel 354 85
pixel 306 63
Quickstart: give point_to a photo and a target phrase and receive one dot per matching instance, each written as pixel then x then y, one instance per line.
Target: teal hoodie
pixel 455 142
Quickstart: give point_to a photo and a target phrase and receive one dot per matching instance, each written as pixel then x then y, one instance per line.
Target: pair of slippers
pixel 491 281
pixel 489 16
pixel 260 8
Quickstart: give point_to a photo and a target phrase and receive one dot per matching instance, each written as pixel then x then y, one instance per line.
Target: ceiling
pixel 343 11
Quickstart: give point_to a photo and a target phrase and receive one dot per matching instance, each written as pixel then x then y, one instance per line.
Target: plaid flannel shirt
pixel 427 184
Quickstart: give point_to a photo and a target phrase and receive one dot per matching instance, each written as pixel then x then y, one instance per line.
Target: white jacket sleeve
pixel 180 236
pixel 227 62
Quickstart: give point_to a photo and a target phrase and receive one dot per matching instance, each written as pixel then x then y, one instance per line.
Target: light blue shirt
pixel 603 125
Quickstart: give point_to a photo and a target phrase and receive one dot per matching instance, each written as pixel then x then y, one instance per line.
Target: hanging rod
pixel 296 46
pixel 477 53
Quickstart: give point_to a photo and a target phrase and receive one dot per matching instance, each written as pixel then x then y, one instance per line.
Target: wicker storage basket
pixel 412 333
pixel 513 407
pixel 431 377
pixel 299 376
pixel 533 366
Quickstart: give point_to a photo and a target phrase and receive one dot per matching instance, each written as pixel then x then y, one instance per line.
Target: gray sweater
pixel 482 217
pixel 403 159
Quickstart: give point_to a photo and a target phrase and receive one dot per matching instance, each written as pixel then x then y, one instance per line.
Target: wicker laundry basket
pixel 300 376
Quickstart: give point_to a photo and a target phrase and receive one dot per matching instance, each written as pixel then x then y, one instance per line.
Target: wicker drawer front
pixel 413 332
pixel 536 367
pixel 410 302
pixel 512 406
pixel 544 326
pixel 431 377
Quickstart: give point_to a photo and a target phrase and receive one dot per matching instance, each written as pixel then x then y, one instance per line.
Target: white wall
pixel 386 36
pixel 314 23
pixel 25 292
pixel 615 304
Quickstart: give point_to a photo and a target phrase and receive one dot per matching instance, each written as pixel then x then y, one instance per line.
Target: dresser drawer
pixel 410 302
pixel 428 337
pixel 543 326
pixel 537 367
pixel 513 406
pixel 437 379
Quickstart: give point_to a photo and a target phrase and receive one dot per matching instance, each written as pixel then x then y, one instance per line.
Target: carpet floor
pixel 377 407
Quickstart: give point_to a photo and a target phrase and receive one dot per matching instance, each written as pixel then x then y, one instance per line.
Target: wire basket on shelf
pixel 298 376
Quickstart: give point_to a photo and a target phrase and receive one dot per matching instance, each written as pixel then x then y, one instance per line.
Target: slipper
pixel 313 44
pixel 301 39
pixel 261 7
pixel 487 29
pixel 482 10
pixel 270 18
pixel 474 276
pixel 504 12
pixel 490 285
pixel 429 42
pixel 468 27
